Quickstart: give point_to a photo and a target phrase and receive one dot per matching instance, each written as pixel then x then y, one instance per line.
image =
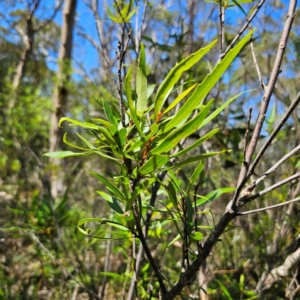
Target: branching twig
pixel 246 25
pixel 269 189
pixel 121 54
pixel 99 26
pixel 265 100
pixel 272 169
pixel 280 272
pixel 256 64
pixel 266 145
pixel 147 250
pixel 50 19
pixel 246 135
pixel 229 216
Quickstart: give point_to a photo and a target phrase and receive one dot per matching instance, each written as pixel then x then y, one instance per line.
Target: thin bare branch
pixel 277 274
pixel 268 207
pixel 273 168
pixel 246 135
pixel 121 55
pixel 102 49
pixel 50 19
pixel 265 100
pixel 266 145
pixel 269 189
pixel 221 27
pixel 143 241
pixel 246 25
pixel 256 64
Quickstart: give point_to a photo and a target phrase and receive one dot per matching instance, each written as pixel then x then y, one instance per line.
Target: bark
pixel 277 274
pixel 60 97
pixel 28 38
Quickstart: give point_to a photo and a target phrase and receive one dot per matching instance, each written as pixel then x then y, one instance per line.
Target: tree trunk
pixel 60 97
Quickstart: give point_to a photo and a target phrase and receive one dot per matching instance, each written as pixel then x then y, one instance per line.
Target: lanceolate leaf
pixel 111 187
pixel 112 202
pixel 208 83
pixel 92 126
pixel 179 98
pixel 63 154
pixel 213 195
pixel 100 221
pixel 85 125
pixel 174 75
pixel 130 101
pixel 141 90
pixel 153 163
pixel 195 175
pixel 197 143
pixel 109 113
pixel 72 145
pixel 141 82
pixel 176 136
pixel 150 90
pixel 222 107
pixel 101 153
pixel 89 144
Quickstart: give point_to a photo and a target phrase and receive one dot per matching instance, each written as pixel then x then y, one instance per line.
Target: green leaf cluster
pixel 151 142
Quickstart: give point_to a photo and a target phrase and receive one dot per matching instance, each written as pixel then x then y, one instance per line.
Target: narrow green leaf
pixel 102 121
pixel 194 158
pixel 213 195
pixel 81 225
pixel 190 213
pixel 111 187
pixel 141 82
pixel 122 136
pixel 130 15
pixel 176 136
pixel 218 192
pixel 196 236
pixel 112 202
pixel 222 107
pixel 142 58
pixel 208 83
pixel 72 145
pixel 130 101
pixel 153 164
pixel 108 137
pixel 150 90
pixel 239 6
pixel 226 293
pixel 85 125
pixel 197 143
pixel 195 175
pixel 176 238
pixel 101 153
pixel 89 144
pixel 179 98
pixel 63 154
pixel 174 75
pixel 137 144
pixel 141 90
pixel 115 276
pixel 109 113
pixel 172 195
pixel 154 129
